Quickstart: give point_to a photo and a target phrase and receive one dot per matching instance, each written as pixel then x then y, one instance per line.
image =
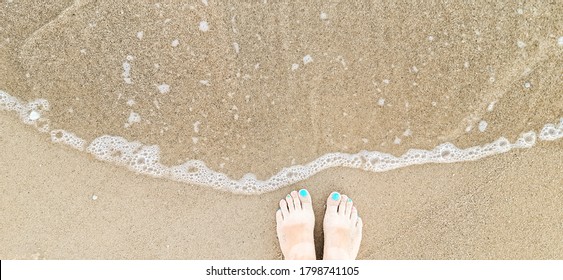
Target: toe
pixel 283 208
pixel 279 217
pixel 349 205
pixel 358 234
pixel 306 201
pixel 332 202
pixel 354 216
pixel 296 200
pixel 290 204
pixel 360 224
pixel 342 205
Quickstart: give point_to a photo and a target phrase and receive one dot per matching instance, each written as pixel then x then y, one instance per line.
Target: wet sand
pixel 503 207
pixel 369 75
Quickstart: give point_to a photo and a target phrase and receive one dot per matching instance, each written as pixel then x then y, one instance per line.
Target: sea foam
pixel 145 159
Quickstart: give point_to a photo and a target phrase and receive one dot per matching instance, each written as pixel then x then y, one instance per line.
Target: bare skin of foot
pixel 295 222
pixel 342 228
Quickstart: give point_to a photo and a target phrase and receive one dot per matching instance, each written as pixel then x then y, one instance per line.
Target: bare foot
pixel 295 223
pixel 342 228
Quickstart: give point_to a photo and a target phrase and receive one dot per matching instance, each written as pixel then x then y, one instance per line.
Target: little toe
pixel 283 208
pixel 279 216
pixel 306 201
pixel 296 200
pixel 290 204
pixel 332 203
pixel 342 205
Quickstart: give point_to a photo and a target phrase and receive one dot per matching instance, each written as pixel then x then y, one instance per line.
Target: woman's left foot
pixel 342 228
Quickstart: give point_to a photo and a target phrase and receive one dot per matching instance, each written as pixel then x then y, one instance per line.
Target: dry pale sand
pixel 503 207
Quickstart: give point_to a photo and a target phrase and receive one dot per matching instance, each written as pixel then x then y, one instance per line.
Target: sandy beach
pixel 503 207
pixel 258 87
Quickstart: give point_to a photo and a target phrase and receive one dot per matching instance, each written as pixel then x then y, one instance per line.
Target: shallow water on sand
pixel 258 87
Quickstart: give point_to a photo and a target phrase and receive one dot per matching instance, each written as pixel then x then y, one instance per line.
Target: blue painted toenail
pixel 349 200
pixel 335 196
pixel 303 192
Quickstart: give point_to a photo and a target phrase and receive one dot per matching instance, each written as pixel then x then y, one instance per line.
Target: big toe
pixel 306 201
pixel 332 202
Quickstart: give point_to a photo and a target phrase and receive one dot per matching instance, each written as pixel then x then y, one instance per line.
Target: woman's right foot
pixel 342 228
pixel 295 222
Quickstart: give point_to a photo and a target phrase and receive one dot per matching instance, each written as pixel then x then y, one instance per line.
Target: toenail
pixel 303 193
pixel 335 196
pixel 349 200
pixel 288 196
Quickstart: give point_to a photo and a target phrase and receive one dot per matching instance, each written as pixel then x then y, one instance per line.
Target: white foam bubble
pixel 397 141
pixel 526 140
pixel 551 132
pixel 307 59
pixel 67 138
pixel 29 113
pixel 140 35
pixel 127 71
pixel 483 126
pixel 294 66
pixel 381 102
pixel 133 118
pixel 491 106
pixel 323 16
pixel 560 41
pixel 521 44
pixel 34 115
pixel 236 47
pixel 196 126
pixel 203 26
pixel 468 128
pixel 134 155
pixel 163 88
pixel 175 43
